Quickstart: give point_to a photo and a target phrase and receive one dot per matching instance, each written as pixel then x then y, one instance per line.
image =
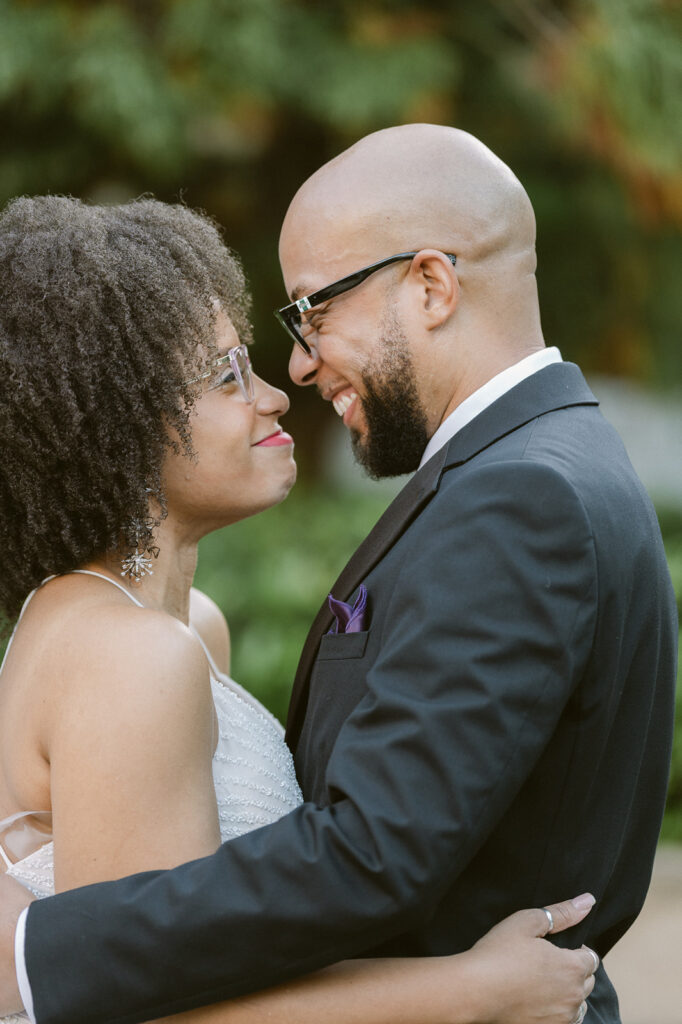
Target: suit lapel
pixel 403 509
pixel 557 386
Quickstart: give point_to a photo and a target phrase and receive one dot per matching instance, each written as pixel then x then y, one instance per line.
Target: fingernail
pixel 584 902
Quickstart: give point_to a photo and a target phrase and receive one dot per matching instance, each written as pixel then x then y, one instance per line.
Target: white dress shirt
pixel 463 414
pixel 486 395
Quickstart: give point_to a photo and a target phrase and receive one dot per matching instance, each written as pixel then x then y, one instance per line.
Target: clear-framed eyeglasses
pixel 237 368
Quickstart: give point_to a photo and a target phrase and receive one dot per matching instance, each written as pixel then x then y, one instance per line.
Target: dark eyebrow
pixel 298 292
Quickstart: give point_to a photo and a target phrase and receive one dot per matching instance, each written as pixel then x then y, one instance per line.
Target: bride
pixel 132 425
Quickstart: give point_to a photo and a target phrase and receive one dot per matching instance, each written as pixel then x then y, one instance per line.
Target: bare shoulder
pixel 129 733
pixel 91 672
pixel 113 663
pixel 207 619
pixel 125 642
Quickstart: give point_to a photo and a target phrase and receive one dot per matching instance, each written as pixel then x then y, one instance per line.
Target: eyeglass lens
pixel 241 364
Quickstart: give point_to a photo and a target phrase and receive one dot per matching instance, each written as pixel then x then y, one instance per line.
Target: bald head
pixel 433 190
pixel 411 187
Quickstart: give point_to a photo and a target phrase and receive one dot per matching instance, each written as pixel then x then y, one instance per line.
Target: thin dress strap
pixel 12 820
pixel 21 615
pixel 82 572
pixel 215 671
pixel 211 663
pixel 101 576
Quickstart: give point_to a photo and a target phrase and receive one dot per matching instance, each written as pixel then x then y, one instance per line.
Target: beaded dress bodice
pixel 253 774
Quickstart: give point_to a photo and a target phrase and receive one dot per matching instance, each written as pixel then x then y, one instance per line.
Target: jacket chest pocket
pixel 338 646
pixel 338 680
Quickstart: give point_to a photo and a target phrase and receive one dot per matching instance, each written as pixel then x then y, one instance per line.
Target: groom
pixel 493 729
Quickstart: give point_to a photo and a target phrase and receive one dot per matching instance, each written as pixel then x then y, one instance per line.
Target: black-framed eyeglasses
pixel 239 370
pixel 290 316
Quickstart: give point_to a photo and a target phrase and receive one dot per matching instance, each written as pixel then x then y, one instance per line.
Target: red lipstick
pixel 275 440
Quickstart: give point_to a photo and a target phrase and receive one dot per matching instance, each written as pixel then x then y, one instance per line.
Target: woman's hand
pixel 13 899
pixel 526 980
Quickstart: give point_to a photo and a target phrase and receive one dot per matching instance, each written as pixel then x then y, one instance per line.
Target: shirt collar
pixel 493 389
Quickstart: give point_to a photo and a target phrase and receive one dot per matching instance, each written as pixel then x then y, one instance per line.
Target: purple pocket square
pixel 349 618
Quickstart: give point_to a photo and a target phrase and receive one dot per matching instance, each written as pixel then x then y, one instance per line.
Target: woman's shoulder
pixel 90 670
pixel 209 622
pixel 134 686
pixel 96 641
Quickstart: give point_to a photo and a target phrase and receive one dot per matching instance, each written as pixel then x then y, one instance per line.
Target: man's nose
pixel 303 367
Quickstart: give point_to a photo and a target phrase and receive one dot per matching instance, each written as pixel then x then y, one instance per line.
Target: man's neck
pixel 487 393
pixel 479 373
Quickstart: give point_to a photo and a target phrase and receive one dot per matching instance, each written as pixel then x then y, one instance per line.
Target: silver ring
pixel 581 1014
pixel 551 926
pixel 594 957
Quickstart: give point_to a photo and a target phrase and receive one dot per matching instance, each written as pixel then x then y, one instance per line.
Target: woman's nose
pixel 269 399
pixel 303 367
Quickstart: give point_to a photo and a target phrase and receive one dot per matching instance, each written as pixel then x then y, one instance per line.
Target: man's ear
pixel 435 280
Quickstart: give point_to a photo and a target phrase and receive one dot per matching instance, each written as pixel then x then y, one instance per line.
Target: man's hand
pixel 13 899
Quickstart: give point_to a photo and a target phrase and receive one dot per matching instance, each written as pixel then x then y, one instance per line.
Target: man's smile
pixel 343 401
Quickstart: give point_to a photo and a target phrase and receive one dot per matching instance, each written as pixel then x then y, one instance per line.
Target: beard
pixel 396 433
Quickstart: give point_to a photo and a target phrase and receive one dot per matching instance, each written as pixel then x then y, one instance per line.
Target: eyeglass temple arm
pixel 346 283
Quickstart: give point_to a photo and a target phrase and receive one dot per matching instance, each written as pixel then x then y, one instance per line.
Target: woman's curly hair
pixel 105 313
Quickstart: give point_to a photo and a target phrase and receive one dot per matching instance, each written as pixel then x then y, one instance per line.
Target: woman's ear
pixel 436 286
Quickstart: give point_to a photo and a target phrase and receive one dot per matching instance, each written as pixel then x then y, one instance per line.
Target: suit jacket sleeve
pixel 487 635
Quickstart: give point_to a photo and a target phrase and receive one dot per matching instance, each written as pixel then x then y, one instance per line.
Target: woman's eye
pixel 225 378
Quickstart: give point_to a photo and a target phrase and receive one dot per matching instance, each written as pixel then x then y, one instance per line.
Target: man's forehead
pixel 309 285
pixel 312 265
pixel 306 256
pixel 322 242
pixel 307 280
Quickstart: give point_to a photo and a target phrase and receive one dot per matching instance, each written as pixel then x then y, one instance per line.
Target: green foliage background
pixel 230 104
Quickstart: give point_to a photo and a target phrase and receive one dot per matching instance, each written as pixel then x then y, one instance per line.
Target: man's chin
pixel 380 464
pixel 361 454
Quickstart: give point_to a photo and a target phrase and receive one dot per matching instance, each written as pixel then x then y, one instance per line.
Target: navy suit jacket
pixel 498 737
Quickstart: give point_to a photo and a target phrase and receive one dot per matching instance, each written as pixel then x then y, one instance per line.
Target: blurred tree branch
pixel 234 102
pixel 536 20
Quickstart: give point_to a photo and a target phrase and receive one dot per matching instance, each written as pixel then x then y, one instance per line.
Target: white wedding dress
pixel 253 773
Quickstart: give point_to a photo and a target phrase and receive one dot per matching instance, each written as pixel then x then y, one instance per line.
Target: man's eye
pixel 316 319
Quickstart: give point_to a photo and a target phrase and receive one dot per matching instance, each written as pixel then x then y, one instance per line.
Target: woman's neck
pixel 168 587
